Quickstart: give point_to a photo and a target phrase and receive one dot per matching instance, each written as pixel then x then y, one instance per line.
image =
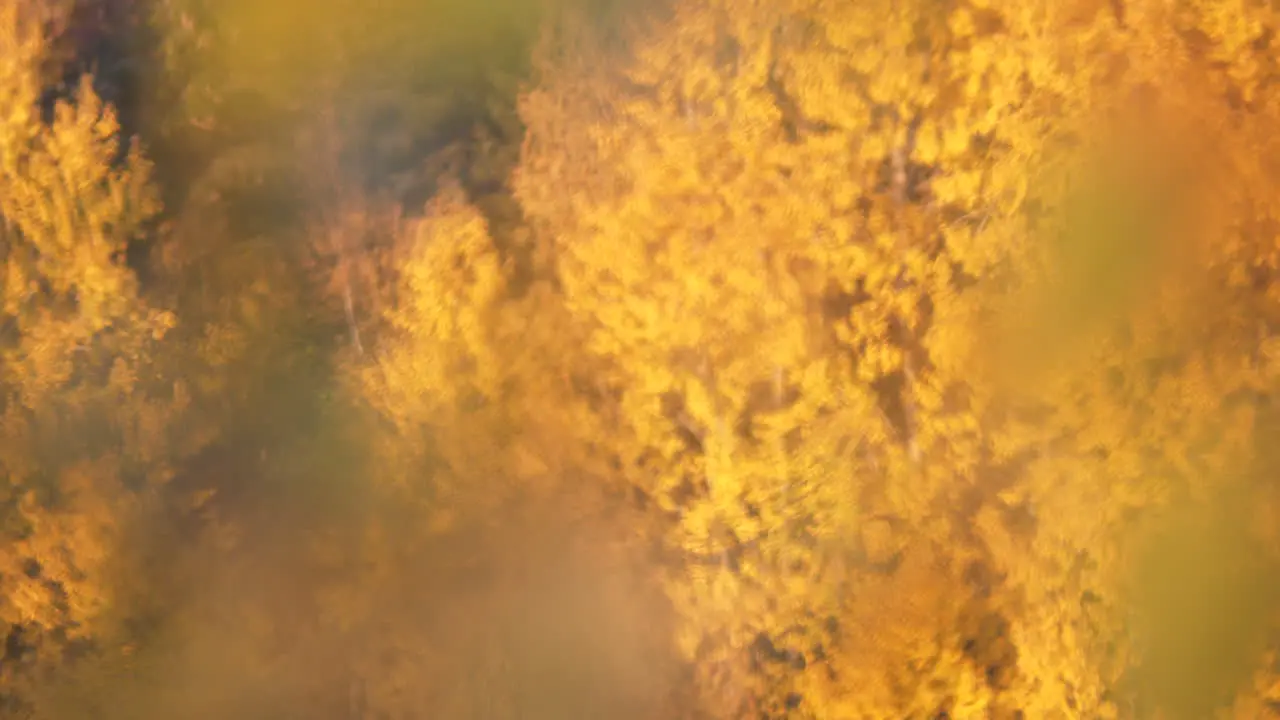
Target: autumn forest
pixel 596 359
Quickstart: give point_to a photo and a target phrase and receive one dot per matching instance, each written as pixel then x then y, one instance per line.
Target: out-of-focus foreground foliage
pixel 716 359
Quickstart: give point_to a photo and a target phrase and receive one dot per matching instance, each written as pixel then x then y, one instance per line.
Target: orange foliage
pixel 887 331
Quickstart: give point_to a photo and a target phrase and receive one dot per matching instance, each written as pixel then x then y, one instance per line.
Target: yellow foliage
pixel 811 242
pixel 76 402
pixel 887 321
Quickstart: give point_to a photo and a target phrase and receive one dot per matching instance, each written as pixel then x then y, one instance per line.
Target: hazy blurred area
pixel 1119 223
pixel 392 81
pixel 1205 589
pixel 530 615
pixel 265 120
pixel 1116 293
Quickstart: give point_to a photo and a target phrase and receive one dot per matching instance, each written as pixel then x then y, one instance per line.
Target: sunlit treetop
pixel 934 224
pixel 82 413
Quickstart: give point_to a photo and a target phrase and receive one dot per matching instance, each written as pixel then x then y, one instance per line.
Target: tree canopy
pixel 705 358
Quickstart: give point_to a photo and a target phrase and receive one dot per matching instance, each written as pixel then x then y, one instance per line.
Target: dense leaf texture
pixel 818 359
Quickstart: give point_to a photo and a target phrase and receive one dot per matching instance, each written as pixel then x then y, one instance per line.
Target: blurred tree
pixel 85 434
